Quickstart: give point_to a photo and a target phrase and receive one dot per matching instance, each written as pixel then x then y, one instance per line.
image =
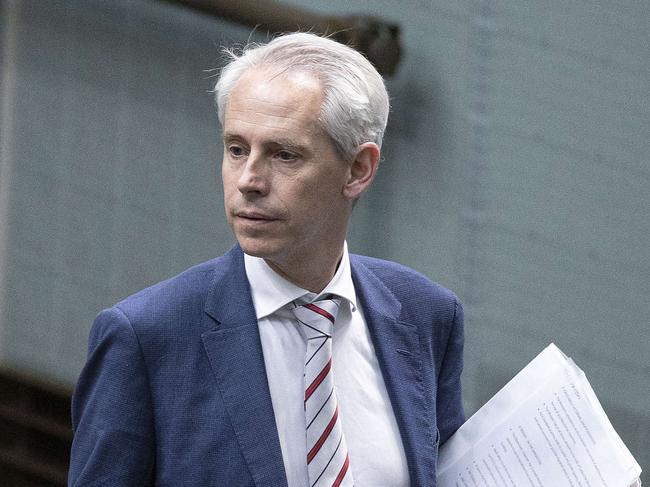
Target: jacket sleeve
pixel 112 414
pixel 450 414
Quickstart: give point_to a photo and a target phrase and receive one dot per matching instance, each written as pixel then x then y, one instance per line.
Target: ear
pixel 362 170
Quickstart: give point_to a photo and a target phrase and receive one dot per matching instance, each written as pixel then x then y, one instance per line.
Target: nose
pixel 254 177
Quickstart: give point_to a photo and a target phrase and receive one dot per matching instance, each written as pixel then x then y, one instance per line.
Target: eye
pixel 286 156
pixel 236 150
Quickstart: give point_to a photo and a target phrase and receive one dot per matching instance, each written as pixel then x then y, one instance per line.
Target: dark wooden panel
pixel 35 431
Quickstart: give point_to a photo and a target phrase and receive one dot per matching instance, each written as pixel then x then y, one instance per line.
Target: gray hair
pixel 355 106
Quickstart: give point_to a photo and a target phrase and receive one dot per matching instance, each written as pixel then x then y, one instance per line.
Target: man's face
pixel 283 178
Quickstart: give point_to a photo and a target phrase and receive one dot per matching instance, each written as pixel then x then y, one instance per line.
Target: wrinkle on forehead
pixel 265 102
pixel 261 124
pixel 242 112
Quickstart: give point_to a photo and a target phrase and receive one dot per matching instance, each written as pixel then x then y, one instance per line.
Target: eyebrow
pixel 228 137
pixel 289 144
pixel 279 142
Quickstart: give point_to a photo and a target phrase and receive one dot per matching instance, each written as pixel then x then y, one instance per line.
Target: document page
pixel 545 428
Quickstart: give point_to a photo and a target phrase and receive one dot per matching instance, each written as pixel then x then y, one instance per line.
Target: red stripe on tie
pixel 320 311
pixel 317 381
pixel 312 453
pixel 342 473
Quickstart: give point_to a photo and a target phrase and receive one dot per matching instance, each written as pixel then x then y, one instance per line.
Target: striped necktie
pixel 328 462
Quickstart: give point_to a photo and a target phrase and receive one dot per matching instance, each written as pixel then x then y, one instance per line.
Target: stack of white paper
pixel 545 428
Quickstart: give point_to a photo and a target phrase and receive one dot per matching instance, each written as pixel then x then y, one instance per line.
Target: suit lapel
pixel 397 345
pixel 235 353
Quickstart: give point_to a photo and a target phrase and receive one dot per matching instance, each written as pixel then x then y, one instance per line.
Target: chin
pixel 256 247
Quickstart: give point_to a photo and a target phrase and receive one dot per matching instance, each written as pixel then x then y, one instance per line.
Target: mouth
pixel 254 217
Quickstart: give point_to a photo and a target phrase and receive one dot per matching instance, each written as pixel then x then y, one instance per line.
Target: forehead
pixel 262 98
pixel 261 80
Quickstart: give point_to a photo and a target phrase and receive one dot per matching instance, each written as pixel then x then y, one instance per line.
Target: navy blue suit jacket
pixel 174 391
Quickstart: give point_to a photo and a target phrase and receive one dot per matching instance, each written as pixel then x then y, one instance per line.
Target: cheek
pixel 326 188
pixel 316 202
pixel 229 181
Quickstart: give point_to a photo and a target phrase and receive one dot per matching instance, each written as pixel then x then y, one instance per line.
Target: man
pixel 209 378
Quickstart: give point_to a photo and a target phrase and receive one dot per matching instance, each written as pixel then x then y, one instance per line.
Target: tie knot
pixel 317 318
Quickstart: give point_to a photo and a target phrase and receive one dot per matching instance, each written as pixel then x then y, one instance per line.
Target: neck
pixel 313 274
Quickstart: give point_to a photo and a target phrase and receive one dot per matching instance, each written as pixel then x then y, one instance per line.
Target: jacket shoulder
pixel 413 289
pixel 180 297
pixel 188 285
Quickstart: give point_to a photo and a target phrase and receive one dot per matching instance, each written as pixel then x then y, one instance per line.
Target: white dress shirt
pixel 374 444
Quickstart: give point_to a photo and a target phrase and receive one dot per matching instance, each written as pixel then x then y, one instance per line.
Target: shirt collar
pixel 271 291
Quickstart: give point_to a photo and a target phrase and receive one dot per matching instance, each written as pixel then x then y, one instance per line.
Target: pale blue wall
pixel 114 173
pixel 515 172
